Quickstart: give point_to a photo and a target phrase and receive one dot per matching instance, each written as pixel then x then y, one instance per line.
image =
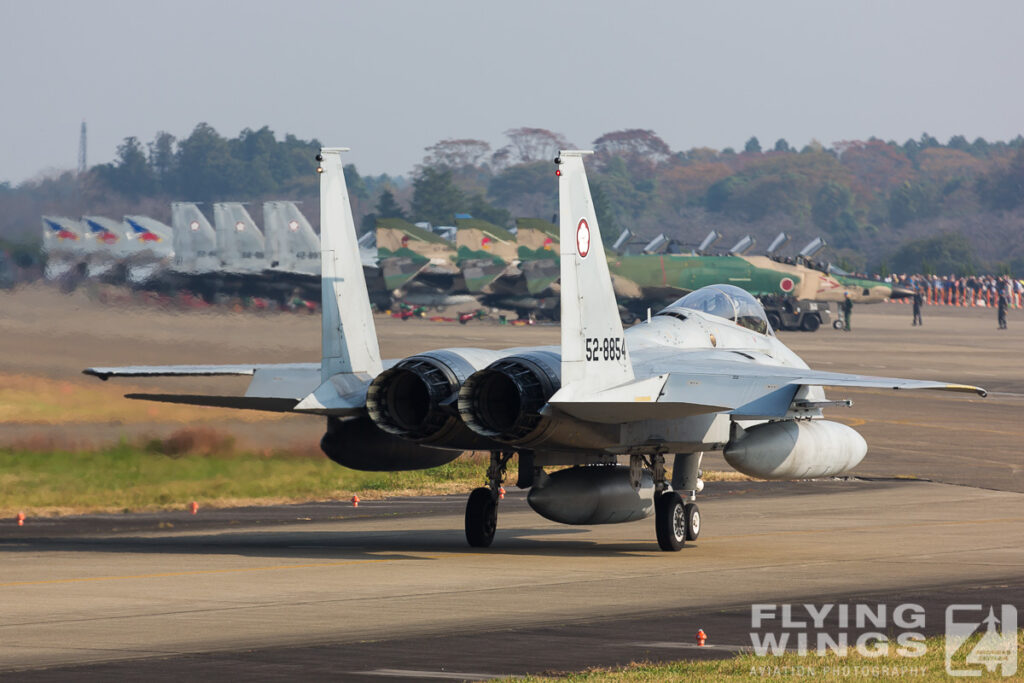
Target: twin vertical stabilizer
pixel 594 354
pixel 349 337
pixel 350 356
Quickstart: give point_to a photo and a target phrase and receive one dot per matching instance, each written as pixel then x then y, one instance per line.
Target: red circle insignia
pixel 786 284
pixel 583 238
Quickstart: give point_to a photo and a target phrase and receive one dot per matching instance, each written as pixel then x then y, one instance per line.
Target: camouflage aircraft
pixel 663 277
pixel 484 252
pixel 538 253
pixel 404 251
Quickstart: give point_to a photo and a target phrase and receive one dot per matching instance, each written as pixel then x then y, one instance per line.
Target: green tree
pixel 959 142
pixel 782 146
pixel 831 200
pixel 478 207
pixel 130 174
pixel 753 146
pixel 206 168
pixel 525 179
pixel 354 181
pixel 162 162
pixel 435 197
pixel 387 207
pixel 946 253
pixel 1003 189
pixel 604 212
pixel 911 201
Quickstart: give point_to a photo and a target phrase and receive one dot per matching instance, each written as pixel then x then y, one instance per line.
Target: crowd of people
pixel 973 290
pixel 1000 292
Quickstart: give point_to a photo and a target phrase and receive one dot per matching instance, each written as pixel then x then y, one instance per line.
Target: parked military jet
pixel 705 373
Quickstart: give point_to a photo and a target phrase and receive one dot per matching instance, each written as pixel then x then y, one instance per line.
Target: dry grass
pixel 42 401
pixel 854 667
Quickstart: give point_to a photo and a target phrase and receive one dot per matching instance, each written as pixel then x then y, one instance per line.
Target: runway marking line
pixel 199 572
pixel 858 422
pixel 444 675
pixel 870 528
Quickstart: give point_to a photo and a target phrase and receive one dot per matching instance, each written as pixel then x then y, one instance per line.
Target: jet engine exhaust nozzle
pixel 407 399
pixel 503 401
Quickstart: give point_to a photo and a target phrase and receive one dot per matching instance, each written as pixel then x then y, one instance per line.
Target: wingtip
pixel 967 388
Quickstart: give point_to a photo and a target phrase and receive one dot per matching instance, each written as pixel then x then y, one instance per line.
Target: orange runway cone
pixel 701 638
pixel 194 507
pixel 355 501
pixel 21 519
pixel 501 493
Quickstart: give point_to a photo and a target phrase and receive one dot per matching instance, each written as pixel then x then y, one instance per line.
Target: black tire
pixel 775 321
pixel 481 518
pixel 810 323
pixel 670 521
pixel 692 515
pixel 837 324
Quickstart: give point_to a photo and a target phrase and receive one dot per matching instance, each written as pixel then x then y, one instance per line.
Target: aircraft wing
pixel 193 370
pixel 704 384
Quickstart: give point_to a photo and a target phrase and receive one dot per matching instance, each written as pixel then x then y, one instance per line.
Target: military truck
pixel 787 313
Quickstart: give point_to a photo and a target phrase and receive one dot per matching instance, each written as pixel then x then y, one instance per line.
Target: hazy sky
pixel 390 78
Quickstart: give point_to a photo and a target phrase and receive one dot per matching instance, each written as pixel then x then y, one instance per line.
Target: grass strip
pixel 130 478
pixel 854 667
pixel 203 464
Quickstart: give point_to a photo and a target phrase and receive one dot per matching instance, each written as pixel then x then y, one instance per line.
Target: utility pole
pixel 82 165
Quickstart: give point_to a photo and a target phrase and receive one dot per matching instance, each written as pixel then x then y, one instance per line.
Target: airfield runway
pixel 389 590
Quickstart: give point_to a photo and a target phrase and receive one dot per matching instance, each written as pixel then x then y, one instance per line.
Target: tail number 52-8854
pixel 607 348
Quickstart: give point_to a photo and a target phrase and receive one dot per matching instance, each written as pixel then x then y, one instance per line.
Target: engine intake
pixel 503 401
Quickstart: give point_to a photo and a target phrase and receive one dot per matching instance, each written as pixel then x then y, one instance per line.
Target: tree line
pixel 872 200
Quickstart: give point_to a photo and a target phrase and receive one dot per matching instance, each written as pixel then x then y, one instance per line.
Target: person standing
pixel 847 311
pixel 918 302
pixel 1002 308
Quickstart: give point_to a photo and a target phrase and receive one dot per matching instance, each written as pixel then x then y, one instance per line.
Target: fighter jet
pixel 484 252
pixel 705 373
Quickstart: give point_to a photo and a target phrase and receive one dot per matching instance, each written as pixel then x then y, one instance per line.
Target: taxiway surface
pixel 391 589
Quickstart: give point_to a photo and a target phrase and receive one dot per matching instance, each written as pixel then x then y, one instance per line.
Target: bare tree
pixel 527 145
pixel 457 154
pixel 633 144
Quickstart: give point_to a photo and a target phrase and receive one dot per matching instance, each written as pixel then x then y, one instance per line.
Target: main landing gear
pixel 482 506
pixel 677 520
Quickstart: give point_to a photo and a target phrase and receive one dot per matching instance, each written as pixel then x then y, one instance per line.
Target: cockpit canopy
pixel 725 301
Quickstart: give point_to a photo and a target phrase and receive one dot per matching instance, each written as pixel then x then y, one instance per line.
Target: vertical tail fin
pixel 594 355
pixel 349 340
pixel 195 242
pixel 239 242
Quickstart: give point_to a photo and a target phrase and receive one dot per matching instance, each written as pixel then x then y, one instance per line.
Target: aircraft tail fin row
pixel 594 355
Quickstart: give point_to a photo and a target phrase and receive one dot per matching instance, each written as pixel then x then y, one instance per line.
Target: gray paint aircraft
pixel 705 373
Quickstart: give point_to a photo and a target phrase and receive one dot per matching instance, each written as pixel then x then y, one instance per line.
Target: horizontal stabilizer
pixel 275 405
pixel 342 395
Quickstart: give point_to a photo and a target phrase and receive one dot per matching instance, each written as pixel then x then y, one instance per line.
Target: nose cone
pixel 901 293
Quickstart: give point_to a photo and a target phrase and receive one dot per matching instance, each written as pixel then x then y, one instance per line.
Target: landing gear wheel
pixel 837 324
pixel 670 521
pixel 691 514
pixel 481 517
